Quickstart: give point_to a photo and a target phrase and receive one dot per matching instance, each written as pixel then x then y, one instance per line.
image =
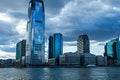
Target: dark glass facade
pixel 23 48
pixel 58 45
pixel 35 54
pixel 118 50
pixel 111 49
pixel 18 46
pixel 83 44
pixel 50 47
pixel 20 49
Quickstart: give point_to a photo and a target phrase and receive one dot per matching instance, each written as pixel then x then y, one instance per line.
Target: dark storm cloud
pixel 13 5
pixel 7 32
pixel 99 19
pixel 53 7
pixel 14 10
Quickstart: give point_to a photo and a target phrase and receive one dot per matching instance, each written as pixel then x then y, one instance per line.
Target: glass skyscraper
pixel 35 51
pixel 55 47
pixel 50 47
pixel 118 50
pixel 111 48
pixel 18 46
pixel 20 50
pixel 83 45
pixel 58 45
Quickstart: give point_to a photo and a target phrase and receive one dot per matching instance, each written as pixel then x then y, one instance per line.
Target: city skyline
pixel 102 23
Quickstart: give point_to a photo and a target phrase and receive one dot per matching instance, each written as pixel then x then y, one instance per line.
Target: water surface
pixel 99 73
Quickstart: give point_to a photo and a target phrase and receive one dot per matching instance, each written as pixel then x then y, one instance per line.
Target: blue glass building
pixel 118 50
pixel 50 47
pixel 23 48
pixel 35 51
pixel 111 48
pixel 18 51
pixel 58 45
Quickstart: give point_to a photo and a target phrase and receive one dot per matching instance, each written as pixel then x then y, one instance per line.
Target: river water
pixel 98 73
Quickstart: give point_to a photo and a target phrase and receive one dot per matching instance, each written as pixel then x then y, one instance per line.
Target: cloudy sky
pixel 100 19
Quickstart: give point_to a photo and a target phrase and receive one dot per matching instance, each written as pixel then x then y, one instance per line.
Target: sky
pixel 99 19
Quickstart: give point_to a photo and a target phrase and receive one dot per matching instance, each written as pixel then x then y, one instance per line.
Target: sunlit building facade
pixel 35 45
pixel 83 44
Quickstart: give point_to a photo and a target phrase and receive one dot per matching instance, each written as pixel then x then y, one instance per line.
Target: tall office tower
pixel 118 50
pixel 20 50
pixel 18 46
pixel 50 48
pixel 57 45
pixel 111 48
pixel 83 44
pixel 23 49
pixel 35 51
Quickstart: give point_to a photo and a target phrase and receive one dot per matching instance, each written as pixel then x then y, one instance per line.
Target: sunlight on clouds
pixel 7 55
pixel 21 27
pixel 6 18
pixel 97 48
pixel 69 49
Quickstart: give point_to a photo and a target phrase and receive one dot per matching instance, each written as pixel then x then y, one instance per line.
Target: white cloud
pixel 69 49
pixel 6 18
pixel 96 49
pixel 21 27
pixel 116 8
pixel 7 55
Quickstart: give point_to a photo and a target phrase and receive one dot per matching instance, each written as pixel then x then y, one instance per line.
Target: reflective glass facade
pixel 83 44
pixel 23 48
pixel 111 48
pixel 58 45
pixel 50 47
pixel 118 50
pixel 35 33
pixel 18 51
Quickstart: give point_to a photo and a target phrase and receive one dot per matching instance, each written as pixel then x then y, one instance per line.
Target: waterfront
pixel 99 73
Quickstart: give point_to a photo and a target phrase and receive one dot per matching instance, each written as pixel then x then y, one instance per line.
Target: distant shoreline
pixel 57 66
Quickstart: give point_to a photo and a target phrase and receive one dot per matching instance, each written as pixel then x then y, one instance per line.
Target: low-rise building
pixel 72 58
pixel 62 59
pixel 51 61
pixel 69 59
pixel 88 59
pixel 100 60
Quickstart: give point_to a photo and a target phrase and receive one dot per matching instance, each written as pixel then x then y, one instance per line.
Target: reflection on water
pixel 99 73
